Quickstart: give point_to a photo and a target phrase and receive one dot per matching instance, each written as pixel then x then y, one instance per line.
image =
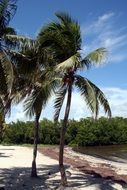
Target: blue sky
pixel 103 24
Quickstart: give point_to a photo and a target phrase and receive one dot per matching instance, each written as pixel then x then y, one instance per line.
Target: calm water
pixel 107 152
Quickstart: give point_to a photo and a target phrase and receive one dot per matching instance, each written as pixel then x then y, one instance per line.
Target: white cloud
pixel 16 114
pixel 98 25
pixel 120 57
pixel 105 17
pixel 106 32
pixel 113 42
pixel 117 98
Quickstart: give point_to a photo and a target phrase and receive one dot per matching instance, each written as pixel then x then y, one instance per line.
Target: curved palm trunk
pixel 36 128
pixel 62 138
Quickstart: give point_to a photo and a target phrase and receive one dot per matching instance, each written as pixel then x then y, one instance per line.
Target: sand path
pixel 15 167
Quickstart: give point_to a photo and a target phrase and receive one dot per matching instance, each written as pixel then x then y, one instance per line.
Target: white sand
pixel 15 167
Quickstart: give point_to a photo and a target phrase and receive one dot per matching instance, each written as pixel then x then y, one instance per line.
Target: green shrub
pixel 86 132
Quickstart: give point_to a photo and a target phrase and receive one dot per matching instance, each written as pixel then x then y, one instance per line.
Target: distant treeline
pixel 81 133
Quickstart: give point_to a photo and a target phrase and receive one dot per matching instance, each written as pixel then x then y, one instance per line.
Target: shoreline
pixel 98 167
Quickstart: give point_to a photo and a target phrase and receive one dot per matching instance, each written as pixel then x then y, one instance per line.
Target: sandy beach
pixel 15 167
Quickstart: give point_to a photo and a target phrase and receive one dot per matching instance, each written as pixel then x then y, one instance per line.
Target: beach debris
pixel 68 173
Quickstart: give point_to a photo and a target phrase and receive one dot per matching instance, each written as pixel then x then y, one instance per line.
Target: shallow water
pixel 107 152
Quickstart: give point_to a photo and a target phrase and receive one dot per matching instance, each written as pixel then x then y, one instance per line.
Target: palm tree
pixel 32 65
pixel 27 65
pixel 44 84
pixel 64 38
pixel 34 104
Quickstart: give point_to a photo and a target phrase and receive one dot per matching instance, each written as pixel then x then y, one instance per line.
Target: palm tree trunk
pixel 62 138
pixel 2 120
pixel 36 128
pixel 1 130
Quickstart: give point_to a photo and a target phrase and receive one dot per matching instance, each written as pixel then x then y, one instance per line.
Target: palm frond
pixel 60 96
pixel 20 42
pixel 37 100
pixel 94 97
pixel 7 11
pixel 5 41
pixel 30 104
pixel 3 84
pixel 64 18
pixel 18 97
pixel 87 92
pixel 71 63
pixel 9 31
pixel 97 56
pixel 24 64
pixel 8 69
pixel 1 105
pixel 102 99
pixel 63 36
pixel 85 63
pixel 7 106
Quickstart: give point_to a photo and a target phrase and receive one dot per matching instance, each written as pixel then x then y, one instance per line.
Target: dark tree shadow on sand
pixel 19 179
pixel 3 153
pixel 83 181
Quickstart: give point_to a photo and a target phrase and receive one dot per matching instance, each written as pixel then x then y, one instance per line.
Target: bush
pixel 86 132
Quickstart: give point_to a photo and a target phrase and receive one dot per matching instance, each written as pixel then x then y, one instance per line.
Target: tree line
pixel 85 132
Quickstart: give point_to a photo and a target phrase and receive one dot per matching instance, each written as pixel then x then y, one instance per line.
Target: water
pixel 109 152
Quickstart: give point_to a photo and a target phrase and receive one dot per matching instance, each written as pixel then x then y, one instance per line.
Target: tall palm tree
pixel 34 104
pixel 32 65
pixel 64 38
pixel 44 83
pixel 27 65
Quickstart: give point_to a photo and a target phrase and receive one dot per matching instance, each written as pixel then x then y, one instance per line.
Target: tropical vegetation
pixel 64 39
pixel 31 70
pixel 85 132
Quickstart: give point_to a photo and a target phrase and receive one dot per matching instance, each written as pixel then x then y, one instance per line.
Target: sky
pixel 103 24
